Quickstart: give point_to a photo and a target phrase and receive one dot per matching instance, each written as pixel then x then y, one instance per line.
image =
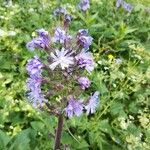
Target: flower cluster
pixel 41 42
pixel 67 61
pixel 35 95
pixel 84 5
pixel 128 7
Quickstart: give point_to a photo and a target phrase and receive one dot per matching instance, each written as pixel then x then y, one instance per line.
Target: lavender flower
pixel 83 39
pixel 93 103
pixel 36 98
pixel 42 33
pixel 34 82
pixel 30 46
pixel 128 7
pixel 68 18
pixel 34 66
pixel 119 3
pixel 74 108
pixel 40 42
pixel 62 58
pixel 84 5
pixel 84 82
pixel 59 35
pixel 59 11
pixel 82 32
pixel 85 60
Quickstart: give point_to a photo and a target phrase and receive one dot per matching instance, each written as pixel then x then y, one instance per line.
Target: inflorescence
pixel 60 73
pixel 121 3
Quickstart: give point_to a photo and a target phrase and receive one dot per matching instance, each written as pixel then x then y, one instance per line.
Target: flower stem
pixel 58 132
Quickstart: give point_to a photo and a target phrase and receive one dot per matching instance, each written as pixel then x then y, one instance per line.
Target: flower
pixel 128 7
pixel 59 35
pixel 74 108
pixel 68 18
pixel 35 95
pixel 36 98
pixel 83 32
pixel 34 83
pixel 40 42
pixel 85 60
pixel 84 5
pixel 59 11
pixel 83 39
pixel 84 82
pixel 119 3
pixel 34 66
pixel 36 43
pixel 93 103
pixel 42 32
pixel 62 58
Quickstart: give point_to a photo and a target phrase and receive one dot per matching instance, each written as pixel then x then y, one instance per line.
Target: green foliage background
pixel 122 120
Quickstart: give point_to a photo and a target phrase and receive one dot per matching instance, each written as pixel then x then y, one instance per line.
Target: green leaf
pixel 4 139
pixel 21 141
pixel 117 108
pixel 37 125
pixel 105 127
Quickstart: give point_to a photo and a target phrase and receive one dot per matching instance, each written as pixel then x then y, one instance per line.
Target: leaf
pixel 37 125
pixel 92 18
pixel 130 30
pixel 4 139
pixel 22 141
pixel 116 108
pixel 105 127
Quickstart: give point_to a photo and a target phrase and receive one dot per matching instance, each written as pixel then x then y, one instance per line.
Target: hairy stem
pixel 58 132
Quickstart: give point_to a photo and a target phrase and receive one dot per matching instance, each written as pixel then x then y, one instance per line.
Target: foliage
pixel 121 49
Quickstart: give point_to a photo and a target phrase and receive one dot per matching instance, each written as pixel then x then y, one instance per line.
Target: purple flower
pixel 30 46
pixel 34 83
pixel 59 35
pixel 74 108
pixel 62 58
pixel 84 5
pixel 128 7
pixel 40 42
pixel 34 87
pixel 59 11
pixel 82 32
pixel 84 82
pixel 119 3
pixel 42 33
pixel 36 98
pixel 34 66
pixel 83 39
pixel 85 60
pixel 93 103
pixel 68 18
pixel 37 43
